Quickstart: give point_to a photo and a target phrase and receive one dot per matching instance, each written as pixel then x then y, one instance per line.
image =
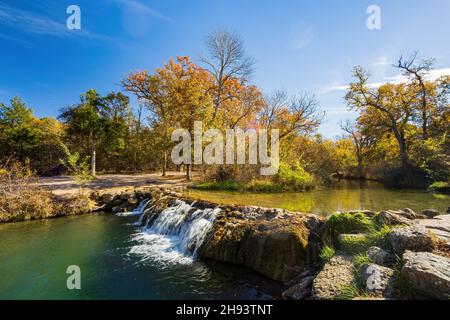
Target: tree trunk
pixel 94 159
pixel 188 172
pixel 164 164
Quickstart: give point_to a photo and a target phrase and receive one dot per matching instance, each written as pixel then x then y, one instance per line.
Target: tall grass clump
pixel 21 197
pixel 340 223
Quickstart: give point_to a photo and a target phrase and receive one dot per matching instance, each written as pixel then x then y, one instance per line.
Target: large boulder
pixel 276 243
pixel 377 280
pixel 414 238
pixel 336 274
pixel 428 273
pixel 392 218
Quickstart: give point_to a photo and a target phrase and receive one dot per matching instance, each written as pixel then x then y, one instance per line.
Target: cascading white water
pixel 175 235
pixel 138 211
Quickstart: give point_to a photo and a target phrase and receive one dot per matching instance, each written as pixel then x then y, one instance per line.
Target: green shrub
pixel 440 187
pixel 294 177
pixel 327 253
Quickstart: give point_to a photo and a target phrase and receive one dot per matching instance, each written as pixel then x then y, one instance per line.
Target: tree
pixel 86 122
pixel 361 143
pixel 389 107
pixel 417 72
pixel 226 60
pixel 176 95
pixel 78 166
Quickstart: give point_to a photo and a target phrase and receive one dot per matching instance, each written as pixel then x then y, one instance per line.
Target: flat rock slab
pixel 428 273
pixel 336 274
pixel 439 226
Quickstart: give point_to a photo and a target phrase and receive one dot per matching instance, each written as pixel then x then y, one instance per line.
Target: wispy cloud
pixel 29 22
pixel 396 79
pixel 302 34
pixel 138 6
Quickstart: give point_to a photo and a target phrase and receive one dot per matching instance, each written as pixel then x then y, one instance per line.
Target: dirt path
pixel 65 185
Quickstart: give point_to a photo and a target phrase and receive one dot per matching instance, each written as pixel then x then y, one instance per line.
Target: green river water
pixel 119 260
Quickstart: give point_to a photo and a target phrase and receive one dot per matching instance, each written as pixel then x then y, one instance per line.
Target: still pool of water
pixel 340 197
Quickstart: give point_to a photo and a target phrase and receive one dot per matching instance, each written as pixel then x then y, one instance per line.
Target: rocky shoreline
pixel 376 255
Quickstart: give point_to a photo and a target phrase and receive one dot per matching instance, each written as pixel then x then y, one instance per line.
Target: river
pixel 120 260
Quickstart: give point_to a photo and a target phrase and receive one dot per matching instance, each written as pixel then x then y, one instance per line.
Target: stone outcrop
pixel 428 273
pixel 392 218
pixel 275 243
pixel 438 227
pixel 336 274
pixel 414 238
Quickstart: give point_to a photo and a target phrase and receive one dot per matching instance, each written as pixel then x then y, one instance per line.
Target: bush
pixel 440 187
pixel 20 196
pixel 294 177
pixel 22 199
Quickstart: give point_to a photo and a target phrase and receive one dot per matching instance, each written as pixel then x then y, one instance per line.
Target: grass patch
pixel 345 223
pixel 360 259
pixel 351 291
pixel 327 253
pixel 220 186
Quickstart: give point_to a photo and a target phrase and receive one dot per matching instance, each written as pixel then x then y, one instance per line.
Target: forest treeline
pixel 400 136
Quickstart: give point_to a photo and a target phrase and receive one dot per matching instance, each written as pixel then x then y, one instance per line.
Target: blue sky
pixel 298 45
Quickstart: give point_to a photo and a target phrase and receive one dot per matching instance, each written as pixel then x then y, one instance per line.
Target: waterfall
pixel 175 235
pixel 138 211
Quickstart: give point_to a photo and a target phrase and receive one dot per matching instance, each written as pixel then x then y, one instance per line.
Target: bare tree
pixel 274 103
pixel 305 114
pixel 299 114
pixel 360 140
pixel 417 71
pixel 226 59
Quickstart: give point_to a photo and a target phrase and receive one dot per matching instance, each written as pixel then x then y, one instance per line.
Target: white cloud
pixel 302 34
pixel 399 78
pixel 28 22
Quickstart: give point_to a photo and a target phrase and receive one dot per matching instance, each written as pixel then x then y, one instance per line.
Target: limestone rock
pixel 377 280
pixel 336 274
pixel 390 218
pixel 430 213
pixel 438 227
pixel 380 256
pixel 300 291
pixel 428 273
pixel 277 245
pixel 414 238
